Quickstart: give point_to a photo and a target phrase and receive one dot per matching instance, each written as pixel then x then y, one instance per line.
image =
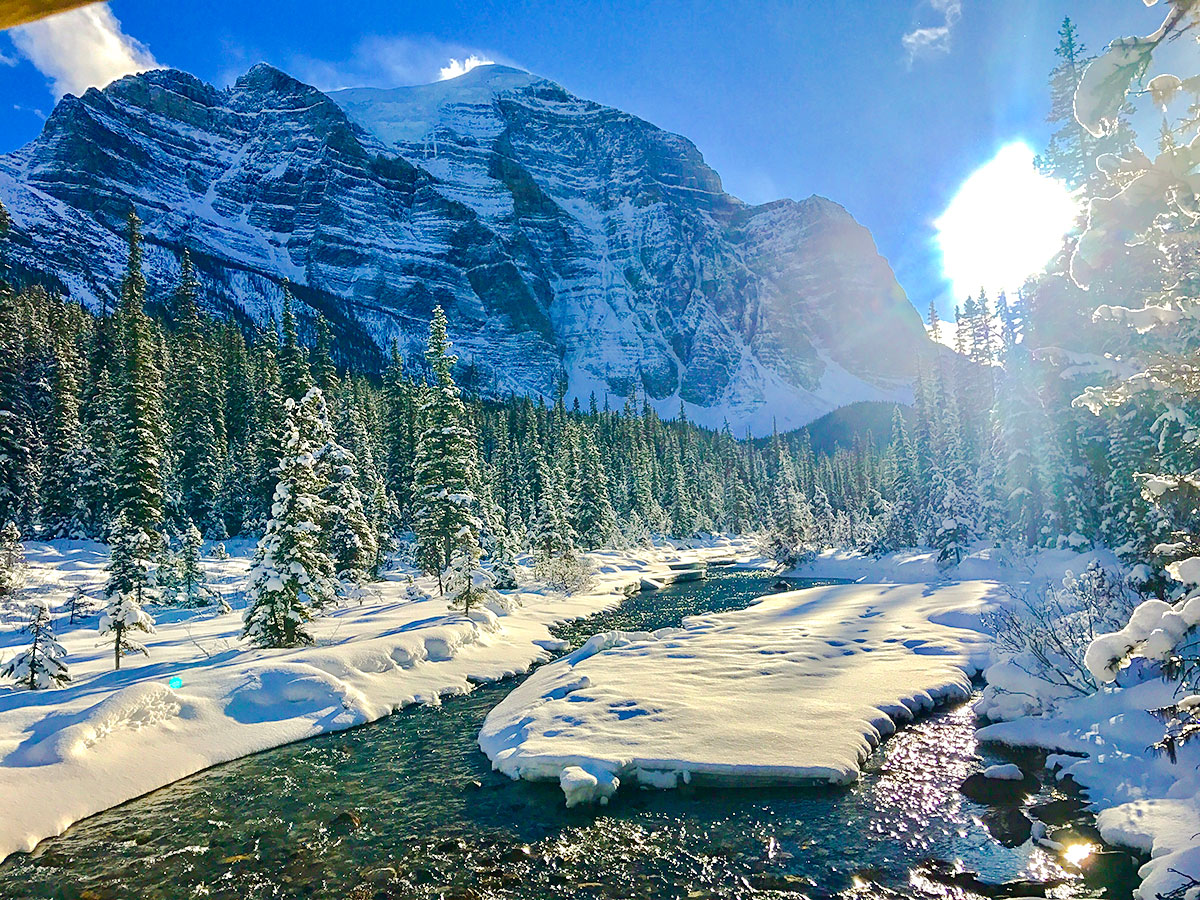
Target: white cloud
pixel 81 48
pixel 379 61
pixel 456 67
pixel 29 109
pixel 936 38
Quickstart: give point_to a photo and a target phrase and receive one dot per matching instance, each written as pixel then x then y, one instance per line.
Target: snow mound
pixel 128 710
pixel 281 692
pixel 580 786
pixel 1004 772
pixel 798 688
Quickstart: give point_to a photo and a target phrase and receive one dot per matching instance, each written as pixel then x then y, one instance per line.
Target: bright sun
pixel 1004 224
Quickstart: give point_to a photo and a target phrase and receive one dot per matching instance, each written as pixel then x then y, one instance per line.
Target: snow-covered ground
pixel 1102 741
pixel 797 688
pixel 112 735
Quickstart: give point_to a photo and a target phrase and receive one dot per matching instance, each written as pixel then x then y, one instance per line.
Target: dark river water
pixel 409 807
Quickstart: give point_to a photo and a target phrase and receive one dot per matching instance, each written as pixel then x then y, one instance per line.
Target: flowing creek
pixel 408 807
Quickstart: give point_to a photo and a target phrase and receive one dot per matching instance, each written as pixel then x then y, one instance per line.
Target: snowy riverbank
pixel 1101 741
pixel 111 736
pixel 798 688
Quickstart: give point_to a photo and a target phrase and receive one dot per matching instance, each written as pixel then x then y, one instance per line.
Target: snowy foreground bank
pixel 203 697
pixel 798 688
pixel 1101 742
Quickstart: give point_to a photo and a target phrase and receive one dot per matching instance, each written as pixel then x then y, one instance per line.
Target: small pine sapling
pixel 41 664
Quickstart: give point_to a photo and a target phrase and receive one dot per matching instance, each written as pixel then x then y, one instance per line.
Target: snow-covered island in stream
pixel 796 689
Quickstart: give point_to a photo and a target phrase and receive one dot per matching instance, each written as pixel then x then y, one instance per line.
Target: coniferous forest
pixel 137 424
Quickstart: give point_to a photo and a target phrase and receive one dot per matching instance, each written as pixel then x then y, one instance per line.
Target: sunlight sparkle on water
pixel 1004 224
pixel 1077 853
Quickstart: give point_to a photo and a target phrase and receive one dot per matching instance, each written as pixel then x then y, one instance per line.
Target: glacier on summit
pixel 574 247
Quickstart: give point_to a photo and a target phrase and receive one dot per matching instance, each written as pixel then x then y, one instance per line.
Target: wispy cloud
pixel 31 110
pixel 932 39
pixel 457 67
pixel 381 61
pixel 82 48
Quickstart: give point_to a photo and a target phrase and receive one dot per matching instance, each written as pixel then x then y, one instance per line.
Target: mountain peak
pixel 412 112
pixel 488 72
pixel 568 242
pixel 264 76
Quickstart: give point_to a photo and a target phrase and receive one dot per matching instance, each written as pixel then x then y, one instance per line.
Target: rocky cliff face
pixel 569 242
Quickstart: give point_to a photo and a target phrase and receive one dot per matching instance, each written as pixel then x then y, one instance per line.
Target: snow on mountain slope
pixel 569 242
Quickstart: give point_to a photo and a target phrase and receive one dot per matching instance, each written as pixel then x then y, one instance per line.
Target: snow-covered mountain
pixel 569 242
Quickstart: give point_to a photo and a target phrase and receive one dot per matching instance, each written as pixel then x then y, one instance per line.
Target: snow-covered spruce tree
pixel 353 433
pixel 1073 149
pixel 192 588
pixel 504 564
pixel 823 528
pixel 953 503
pixel 19 474
pixel 901 527
pixel 64 507
pixel 467 585
pixel 40 665
pixel 595 521
pixel 141 426
pixel 79 605
pixel 293 574
pixel 293 360
pixel 267 427
pixel 324 372
pixel 551 537
pixel 351 539
pixel 1158 207
pixel 399 414
pixel 129 586
pixel 100 417
pixel 13 570
pixel 444 501
pixel 787 540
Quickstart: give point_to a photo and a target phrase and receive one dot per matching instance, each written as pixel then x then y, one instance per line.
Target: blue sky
pixel 884 106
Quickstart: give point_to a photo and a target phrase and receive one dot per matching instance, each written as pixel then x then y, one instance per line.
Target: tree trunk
pixel 117 650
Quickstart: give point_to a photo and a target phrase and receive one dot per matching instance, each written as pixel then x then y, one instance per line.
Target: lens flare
pixel 1004 224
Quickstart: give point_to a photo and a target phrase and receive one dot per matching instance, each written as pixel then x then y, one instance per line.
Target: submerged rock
pixel 1009 825
pixel 345 821
pixel 1059 812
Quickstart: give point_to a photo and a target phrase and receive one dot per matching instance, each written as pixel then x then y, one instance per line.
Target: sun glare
pixel 1075 854
pixel 1004 224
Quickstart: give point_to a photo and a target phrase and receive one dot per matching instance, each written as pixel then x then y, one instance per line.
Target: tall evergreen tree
pixel 293 574
pixel 64 507
pixel 294 375
pixel 197 452
pixel 595 521
pixel 445 473
pixel 351 539
pixel 129 587
pixel 140 427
